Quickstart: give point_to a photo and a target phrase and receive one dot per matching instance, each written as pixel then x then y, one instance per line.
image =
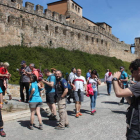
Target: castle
pixel 60 25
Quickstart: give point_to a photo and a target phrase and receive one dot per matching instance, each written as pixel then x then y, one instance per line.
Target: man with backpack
pixel 123 82
pixel 50 93
pixel 132 95
pixel 108 81
pixel 61 90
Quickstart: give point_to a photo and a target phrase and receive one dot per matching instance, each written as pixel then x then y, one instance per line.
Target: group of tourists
pixel 75 86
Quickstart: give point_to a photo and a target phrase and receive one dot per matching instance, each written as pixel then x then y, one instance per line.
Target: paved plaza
pixel 107 124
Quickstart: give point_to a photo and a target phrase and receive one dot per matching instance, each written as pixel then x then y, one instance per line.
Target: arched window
pixel 78 10
pixel 13 0
pixel 79 36
pixel 76 7
pixel 56 29
pixel 86 37
pixel 72 5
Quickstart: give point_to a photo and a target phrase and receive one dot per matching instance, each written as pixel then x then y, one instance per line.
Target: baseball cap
pixel 22 62
pixel 121 67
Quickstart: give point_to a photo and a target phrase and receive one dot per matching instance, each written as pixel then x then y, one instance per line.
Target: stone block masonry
pixel 25 26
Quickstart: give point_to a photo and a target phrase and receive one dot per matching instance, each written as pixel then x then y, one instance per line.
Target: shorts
pixel 80 97
pixel 2 86
pixel 50 98
pixel 35 104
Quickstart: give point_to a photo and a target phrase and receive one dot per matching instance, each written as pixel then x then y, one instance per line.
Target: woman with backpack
pixel 35 101
pixel 94 81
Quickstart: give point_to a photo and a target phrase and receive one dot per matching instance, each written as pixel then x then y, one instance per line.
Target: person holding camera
pixel 132 95
pixel 50 92
pixel 80 87
pixel 94 81
pixel 25 72
pixel 61 90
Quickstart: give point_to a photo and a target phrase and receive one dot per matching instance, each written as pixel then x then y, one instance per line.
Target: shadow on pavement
pixel 119 112
pixel 50 122
pixel 110 102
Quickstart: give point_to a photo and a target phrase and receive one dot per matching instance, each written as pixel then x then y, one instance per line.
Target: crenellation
pixel 39 10
pixel 62 19
pixel 48 14
pixel 29 7
pixel 55 16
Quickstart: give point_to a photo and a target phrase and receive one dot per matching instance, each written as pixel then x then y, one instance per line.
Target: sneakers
pixel 67 125
pixel 52 117
pixel 80 114
pixel 77 115
pixel 59 127
pixel 2 133
pixel 93 112
pixel 31 127
pixel 41 127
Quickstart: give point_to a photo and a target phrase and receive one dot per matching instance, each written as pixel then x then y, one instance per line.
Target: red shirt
pixel 3 71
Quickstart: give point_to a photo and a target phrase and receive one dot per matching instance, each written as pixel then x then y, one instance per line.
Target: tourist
pixel 35 101
pixel 4 74
pixel 132 95
pixel 94 81
pixel 2 133
pixel 34 70
pixel 79 83
pixel 123 82
pixel 50 93
pixel 25 72
pixel 72 75
pixel 88 74
pixel 108 81
pixel 53 70
pixel 61 90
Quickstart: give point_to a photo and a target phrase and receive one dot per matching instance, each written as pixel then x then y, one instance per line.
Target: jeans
pixel 93 100
pixel 26 85
pixel 1 121
pixel 109 86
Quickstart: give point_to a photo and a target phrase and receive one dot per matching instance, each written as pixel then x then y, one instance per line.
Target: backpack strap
pixel 139 112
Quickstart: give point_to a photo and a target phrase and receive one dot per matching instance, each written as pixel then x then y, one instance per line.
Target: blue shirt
pixel 1 90
pixel 64 84
pixel 36 95
pixel 124 76
pixel 88 75
pixel 49 89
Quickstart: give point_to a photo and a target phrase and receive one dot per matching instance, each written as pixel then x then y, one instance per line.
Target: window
pixel 72 5
pixel 79 36
pixel 46 28
pixel 64 32
pixel 73 21
pixel 97 40
pixel 76 7
pixel 56 29
pixel 9 19
pixel 102 41
pixel 86 38
pixel 78 10
pixel 35 29
pixel 72 34
pixel 93 39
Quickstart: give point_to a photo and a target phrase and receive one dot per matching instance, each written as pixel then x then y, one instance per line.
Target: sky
pixel 122 15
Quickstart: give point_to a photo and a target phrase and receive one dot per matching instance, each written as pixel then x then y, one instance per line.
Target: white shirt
pixel 93 82
pixel 71 77
pixel 79 83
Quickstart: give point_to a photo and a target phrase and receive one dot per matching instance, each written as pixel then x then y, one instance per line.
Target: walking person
pixel 123 82
pixel 80 87
pixel 61 90
pixel 4 74
pixel 132 95
pixel 94 81
pixel 25 73
pixel 35 101
pixel 88 74
pixel 50 93
pixel 2 133
pixel 108 81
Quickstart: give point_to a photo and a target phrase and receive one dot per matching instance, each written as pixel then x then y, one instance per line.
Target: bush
pixel 58 58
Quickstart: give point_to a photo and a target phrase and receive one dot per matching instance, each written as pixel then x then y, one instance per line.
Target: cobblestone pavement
pixel 107 124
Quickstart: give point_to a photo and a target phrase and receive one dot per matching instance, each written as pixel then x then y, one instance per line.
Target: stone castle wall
pixel 25 26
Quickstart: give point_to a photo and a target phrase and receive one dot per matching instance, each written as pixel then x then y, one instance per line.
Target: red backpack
pixel 90 90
